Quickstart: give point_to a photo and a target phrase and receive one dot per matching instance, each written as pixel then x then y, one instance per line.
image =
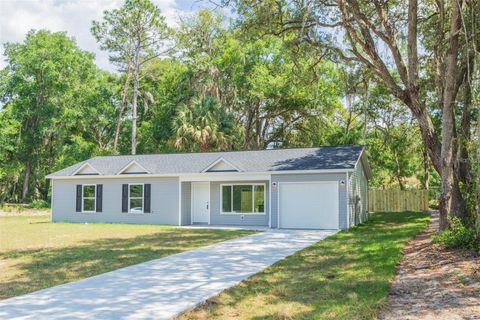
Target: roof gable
pixel 221 165
pixel 133 167
pixel 86 169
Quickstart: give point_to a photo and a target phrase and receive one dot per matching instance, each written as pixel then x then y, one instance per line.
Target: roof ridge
pixel 227 151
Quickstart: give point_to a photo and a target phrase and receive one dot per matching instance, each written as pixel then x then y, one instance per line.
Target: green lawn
pixel 345 276
pixel 37 254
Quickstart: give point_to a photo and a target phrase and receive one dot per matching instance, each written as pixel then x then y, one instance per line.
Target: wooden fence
pixel 397 200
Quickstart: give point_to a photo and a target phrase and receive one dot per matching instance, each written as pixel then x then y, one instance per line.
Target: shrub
pixel 39 204
pixel 458 236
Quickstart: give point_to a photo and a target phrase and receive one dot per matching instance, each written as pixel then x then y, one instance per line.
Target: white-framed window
pixel 136 192
pixel 89 197
pixel 248 198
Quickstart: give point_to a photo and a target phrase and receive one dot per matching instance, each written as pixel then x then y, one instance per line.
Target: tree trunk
pixel 426 166
pixel 448 125
pixel 136 68
pixel 477 222
pixel 248 129
pixel 122 107
pixel 464 167
pixel 26 182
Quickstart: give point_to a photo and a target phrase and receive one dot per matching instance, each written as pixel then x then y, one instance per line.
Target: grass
pixel 345 276
pixel 37 254
pixel 21 208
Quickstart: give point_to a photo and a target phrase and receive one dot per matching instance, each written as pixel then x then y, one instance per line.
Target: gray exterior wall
pixel 358 196
pixel 342 192
pixel 186 217
pixel 164 201
pixel 236 219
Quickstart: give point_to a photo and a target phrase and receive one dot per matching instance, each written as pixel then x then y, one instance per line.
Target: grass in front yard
pixel 345 276
pixel 37 254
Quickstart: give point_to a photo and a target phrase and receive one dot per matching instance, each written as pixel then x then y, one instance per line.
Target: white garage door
pixel 308 205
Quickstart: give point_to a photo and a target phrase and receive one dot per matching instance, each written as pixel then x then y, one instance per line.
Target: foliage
pixel 39 204
pixel 47 82
pixel 204 126
pixel 133 34
pixel 423 53
pixel 223 87
pixel 458 236
pixel 271 93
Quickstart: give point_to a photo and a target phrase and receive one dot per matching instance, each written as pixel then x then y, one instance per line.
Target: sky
pixel 17 17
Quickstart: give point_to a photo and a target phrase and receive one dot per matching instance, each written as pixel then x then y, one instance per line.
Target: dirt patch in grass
pixel 433 283
pixel 346 276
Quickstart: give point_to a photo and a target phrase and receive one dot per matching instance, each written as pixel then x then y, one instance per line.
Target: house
pixel 318 188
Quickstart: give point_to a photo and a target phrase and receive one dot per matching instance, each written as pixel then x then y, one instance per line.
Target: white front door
pixel 200 202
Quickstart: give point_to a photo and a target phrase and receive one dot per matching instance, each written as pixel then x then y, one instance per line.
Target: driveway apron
pixel 162 288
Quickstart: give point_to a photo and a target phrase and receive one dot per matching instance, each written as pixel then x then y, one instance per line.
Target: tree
pixel 204 125
pixel 134 34
pixel 43 85
pixel 269 91
pixel 167 80
pixel 377 37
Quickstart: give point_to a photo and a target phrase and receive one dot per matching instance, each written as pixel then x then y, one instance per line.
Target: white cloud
pixel 75 17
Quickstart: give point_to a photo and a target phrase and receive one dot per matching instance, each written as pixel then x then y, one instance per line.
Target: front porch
pixel 223 203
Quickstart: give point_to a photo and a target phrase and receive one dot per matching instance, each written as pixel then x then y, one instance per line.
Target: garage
pixel 309 205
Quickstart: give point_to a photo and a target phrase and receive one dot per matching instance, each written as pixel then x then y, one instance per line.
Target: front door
pixel 200 202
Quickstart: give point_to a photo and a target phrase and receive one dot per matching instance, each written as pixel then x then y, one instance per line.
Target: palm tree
pixel 203 125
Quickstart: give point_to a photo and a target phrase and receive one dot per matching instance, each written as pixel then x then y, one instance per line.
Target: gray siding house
pixel 304 188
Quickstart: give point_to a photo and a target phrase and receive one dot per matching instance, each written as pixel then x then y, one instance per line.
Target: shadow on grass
pixel 43 268
pixel 345 276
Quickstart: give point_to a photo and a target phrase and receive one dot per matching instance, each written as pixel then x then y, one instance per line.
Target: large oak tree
pixel 422 52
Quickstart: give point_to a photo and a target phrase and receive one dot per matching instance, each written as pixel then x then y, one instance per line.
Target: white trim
pixel 308 182
pixel 143 197
pixel 253 213
pixel 347 182
pixel 208 176
pixel 83 166
pixel 51 202
pixel 224 177
pixel 214 163
pixel 191 202
pixel 278 204
pixel 94 198
pixel 270 202
pixel 129 165
pixel 179 203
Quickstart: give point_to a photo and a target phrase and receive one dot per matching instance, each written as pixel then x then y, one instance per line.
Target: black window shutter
pixel 99 200
pixel 146 198
pixel 79 198
pixel 125 198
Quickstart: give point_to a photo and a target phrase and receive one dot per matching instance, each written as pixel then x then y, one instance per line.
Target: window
pixel 243 198
pixel 135 198
pixel 89 200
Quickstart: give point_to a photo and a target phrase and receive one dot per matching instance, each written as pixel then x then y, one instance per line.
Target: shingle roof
pixel 320 158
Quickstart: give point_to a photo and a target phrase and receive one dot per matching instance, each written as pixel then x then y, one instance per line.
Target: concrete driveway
pixel 162 288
